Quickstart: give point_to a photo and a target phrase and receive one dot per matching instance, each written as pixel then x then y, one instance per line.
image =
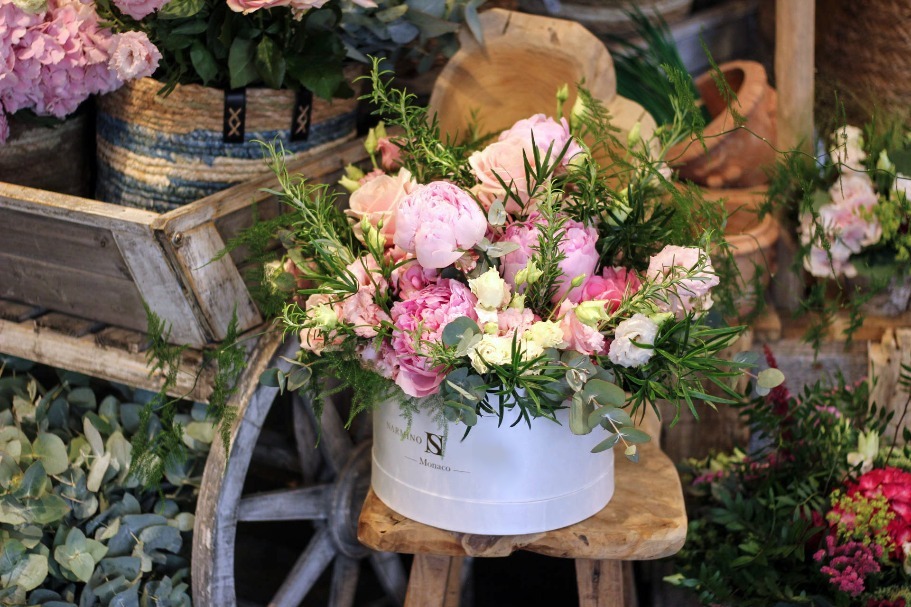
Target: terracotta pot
pixel 735 157
pixel 753 241
pixel 55 158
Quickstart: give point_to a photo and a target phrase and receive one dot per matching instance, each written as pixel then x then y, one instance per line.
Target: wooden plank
pixel 82 354
pixel 230 226
pixel 68 325
pixel 107 299
pixel 229 201
pixel 17 312
pixel 885 365
pixel 217 286
pixel 600 583
pixel 161 289
pixel 434 581
pixel 795 72
pixel 61 242
pixel 73 209
pixel 122 339
pixel 645 519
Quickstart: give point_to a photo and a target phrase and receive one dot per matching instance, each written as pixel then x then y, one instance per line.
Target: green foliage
pixel 76 526
pixel 757 519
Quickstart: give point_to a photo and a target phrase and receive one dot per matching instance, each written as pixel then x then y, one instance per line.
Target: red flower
pixel 895 485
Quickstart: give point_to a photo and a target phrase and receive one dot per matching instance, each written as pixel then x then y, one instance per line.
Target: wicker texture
pixel 48 158
pixel 864 55
pixel 158 152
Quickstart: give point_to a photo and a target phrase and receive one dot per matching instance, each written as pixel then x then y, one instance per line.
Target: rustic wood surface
pixel 795 72
pixel 886 358
pixel 435 581
pixel 644 520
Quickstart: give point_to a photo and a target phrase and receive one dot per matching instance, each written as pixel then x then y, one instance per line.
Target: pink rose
pixel 137 9
pixel 611 286
pixel 422 318
pixel 249 6
pixel 895 485
pixel 133 56
pixel 438 222
pixel 688 294
pixel 577 335
pixel 547 133
pixel 390 153
pixel 378 199
pixel 502 160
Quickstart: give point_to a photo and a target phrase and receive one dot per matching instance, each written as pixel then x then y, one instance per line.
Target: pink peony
pixel 688 294
pixel 422 318
pixel 577 335
pixel 137 9
pixel 411 277
pixel 249 6
pixel 133 56
pixel 502 160
pixel 611 286
pixel 548 134
pixel 438 222
pixel 390 153
pixel 378 199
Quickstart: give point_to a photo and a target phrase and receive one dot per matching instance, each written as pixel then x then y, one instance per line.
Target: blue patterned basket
pixel 160 152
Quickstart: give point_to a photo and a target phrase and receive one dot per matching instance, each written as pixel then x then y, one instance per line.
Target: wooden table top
pixel 646 519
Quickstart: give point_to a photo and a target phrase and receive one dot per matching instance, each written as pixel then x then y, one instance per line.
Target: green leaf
pixel 83 398
pixel 618 416
pixel 93 436
pixel 455 330
pixel 97 471
pixel 269 378
pixel 13 553
pixel 29 573
pixel 270 63
pixel 33 482
pixel 770 378
pixel 607 443
pixel 299 377
pixel 12 512
pixel 47 510
pixel 242 63
pixel 179 9
pixel 604 393
pixel 747 358
pixel 203 62
pixel 579 411
pixel 80 564
pixel 635 435
pixel 51 450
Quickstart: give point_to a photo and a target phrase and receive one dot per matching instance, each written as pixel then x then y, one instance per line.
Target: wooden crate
pixel 74 273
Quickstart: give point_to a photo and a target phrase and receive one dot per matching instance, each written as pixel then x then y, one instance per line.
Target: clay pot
pixel 735 157
pixel 753 242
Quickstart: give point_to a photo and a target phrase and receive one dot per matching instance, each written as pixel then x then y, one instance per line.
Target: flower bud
pixel 577 113
pixel 563 93
pixel 380 130
pixel 591 312
pixel 491 328
pixel 532 274
pixel 634 136
pixel 884 164
pixel 351 180
pixel 370 142
pixel 518 302
pixel 659 318
pixel 323 317
pixel 578 280
pixel 373 238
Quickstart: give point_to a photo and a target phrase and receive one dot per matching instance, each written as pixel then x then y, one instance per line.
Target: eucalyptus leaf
pixel 496 214
pixel 82 398
pixel 604 393
pixel 747 358
pixel 608 414
pixel 456 330
pixel 97 471
pixel 51 450
pixel 606 444
pixel 770 378
pixel 299 377
pixel 78 563
pixel 635 435
pixel 33 482
pixel 579 411
pixel 29 573
pixel 93 436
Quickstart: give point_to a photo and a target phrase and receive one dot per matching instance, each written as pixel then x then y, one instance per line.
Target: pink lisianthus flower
pixel 547 134
pixel 390 153
pixel 133 56
pixel 514 320
pixel 361 309
pixel 438 222
pixel 577 335
pixel 249 6
pixel 378 199
pixel 611 286
pixel 502 160
pixel 688 294
pixel 383 361
pixel 422 318
pixel 137 9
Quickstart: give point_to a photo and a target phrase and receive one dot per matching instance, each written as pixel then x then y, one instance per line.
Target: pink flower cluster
pixel 849 564
pixel 51 61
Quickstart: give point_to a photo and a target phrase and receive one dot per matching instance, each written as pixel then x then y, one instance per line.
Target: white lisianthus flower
pixel 490 289
pixel 641 329
pixel 592 312
pixel 848 148
pixel 545 333
pixel 491 350
pixel 323 316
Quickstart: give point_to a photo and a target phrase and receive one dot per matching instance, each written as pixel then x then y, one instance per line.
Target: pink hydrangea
pixel 422 318
pixel 547 134
pixel 137 9
pixel 691 294
pixel 611 286
pixel 438 222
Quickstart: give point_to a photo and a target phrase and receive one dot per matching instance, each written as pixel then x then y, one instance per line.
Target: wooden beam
pixel 795 72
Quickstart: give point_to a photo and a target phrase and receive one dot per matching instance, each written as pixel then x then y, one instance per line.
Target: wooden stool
pixel 646 519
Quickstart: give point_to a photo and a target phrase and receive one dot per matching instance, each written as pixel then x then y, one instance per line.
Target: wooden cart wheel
pixel 332 504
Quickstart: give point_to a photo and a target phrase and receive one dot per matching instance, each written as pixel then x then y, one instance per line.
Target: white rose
pixel 493 350
pixel 545 333
pixel 490 289
pixel 641 329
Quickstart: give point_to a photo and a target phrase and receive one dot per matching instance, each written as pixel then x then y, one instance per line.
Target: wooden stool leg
pixel 435 581
pixel 601 583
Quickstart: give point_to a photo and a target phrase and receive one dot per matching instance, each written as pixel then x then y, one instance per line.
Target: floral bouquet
pixel 286 44
pixel 818 514
pixel 512 275
pixel 54 54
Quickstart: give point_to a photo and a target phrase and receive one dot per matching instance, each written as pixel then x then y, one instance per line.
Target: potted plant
pixel 234 71
pixel 493 288
pixel 816 512
pixel 55 55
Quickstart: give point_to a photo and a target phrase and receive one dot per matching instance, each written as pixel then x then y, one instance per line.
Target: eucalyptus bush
pixel 77 528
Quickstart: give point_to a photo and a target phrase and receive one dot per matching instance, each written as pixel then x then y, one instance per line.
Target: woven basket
pixel 159 152
pixel 864 55
pixel 48 158
pixel 609 17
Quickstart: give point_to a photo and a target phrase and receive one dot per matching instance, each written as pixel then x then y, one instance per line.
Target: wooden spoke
pixel 308 504
pixel 305 439
pixel 334 442
pixel 391 573
pixel 309 566
pixel 345 572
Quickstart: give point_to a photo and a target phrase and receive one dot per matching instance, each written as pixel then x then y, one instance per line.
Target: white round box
pixel 498 481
